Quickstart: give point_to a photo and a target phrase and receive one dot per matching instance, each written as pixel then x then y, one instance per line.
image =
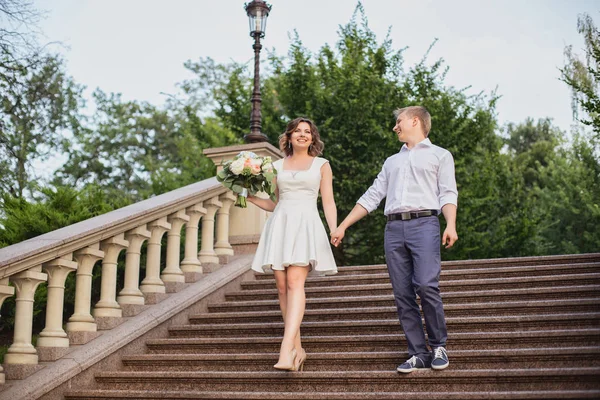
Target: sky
pixel 138 47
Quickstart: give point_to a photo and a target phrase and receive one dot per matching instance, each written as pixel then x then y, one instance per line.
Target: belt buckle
pixel 405 216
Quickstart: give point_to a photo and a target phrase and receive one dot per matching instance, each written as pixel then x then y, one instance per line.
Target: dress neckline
pixel 296 170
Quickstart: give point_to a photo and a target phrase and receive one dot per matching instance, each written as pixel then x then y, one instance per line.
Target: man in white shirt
pixel 417 183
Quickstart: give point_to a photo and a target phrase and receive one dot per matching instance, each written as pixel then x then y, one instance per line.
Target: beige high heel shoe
pixel 288 366
pixel 299 364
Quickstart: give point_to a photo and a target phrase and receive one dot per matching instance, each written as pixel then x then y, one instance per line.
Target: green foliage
pixel 583 76
pixel 51 209
pixel 141 150
pixel 38 103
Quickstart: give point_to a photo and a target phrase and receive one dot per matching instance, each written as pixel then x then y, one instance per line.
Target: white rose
pixel 237 166
pixel 268 167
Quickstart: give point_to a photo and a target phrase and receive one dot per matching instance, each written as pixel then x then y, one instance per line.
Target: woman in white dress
pixel 294 243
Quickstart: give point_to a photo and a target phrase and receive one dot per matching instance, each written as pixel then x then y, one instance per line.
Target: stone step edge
pixel 594 350
pixel 483 271
pixel 593 316
pixel 545 333
pixel 344 375
pixel 470 293
pixel 182 394
pixel 386 309
pixel 443 284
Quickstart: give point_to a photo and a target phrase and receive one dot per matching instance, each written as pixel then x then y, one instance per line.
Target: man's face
pixel 403 126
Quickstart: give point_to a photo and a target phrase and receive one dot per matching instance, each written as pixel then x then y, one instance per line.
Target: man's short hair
pixel 419 112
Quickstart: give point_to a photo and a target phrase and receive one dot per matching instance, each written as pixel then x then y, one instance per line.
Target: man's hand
pixel 450 237
pixel 337 235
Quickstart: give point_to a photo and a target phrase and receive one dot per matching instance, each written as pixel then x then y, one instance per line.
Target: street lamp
pixel 257 11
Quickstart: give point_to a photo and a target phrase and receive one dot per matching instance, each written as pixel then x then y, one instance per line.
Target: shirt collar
pixel 425 142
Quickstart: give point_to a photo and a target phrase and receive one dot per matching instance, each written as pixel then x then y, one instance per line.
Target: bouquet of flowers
pixel 248 173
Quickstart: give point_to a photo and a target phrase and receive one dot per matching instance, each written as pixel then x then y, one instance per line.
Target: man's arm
pixel 448 198
pixel 450 236
pixel 367 203
pixel 357 213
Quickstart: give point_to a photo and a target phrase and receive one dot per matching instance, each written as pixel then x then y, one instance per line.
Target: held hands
pixel 337 235
pixel 450 237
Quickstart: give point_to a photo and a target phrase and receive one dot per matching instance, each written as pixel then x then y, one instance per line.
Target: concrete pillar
pixel 5 292
pixel 222 246
pixel 172 272
pixel 131 293
pixel 82 320
pixel 22 351
pixel 152 282
pixel 190 261
pixel 53 334
pixel 207 252
pixel 108 306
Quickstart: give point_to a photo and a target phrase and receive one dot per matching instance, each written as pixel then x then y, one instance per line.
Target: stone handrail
pixel 202 207
pixel 76 248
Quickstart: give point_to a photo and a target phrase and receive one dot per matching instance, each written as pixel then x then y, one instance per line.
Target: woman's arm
pixel 329 207
pixel 265 204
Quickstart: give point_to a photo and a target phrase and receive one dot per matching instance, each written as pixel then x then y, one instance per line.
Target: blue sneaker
pixel 412 364
pixel 440 358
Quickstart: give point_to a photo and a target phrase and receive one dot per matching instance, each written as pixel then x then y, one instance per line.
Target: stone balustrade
pixel 203 209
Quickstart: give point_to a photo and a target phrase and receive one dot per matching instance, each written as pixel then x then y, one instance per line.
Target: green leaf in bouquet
pixel 222 175
pixel 237 188
pixel 269 176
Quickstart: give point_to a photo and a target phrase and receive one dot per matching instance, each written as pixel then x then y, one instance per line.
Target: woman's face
pixel 302 136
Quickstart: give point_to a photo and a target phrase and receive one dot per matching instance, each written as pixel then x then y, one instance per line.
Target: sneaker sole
pixel 408 371
pixel 440 367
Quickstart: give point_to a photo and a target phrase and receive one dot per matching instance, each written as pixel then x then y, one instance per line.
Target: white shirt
pixel 421 178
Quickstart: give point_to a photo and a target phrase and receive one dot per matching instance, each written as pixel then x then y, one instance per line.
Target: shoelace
pixel 412 361
pixel 440 352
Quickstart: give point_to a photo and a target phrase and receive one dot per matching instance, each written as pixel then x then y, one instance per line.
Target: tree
pixel 583 75
pixel 351 91
pixel 37 107
pixel 141 150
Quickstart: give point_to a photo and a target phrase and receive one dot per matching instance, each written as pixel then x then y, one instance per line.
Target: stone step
pixel 372 326
pixel 382 276
pixel 379 342
pixel 390 311
pixel 446 287
pixel 475 264
pixel 547 338
pixel 386 300
pixel 377 395
pixel 349 381
pixel 568 357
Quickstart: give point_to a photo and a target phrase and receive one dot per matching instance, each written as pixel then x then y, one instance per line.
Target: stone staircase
pixel 519 328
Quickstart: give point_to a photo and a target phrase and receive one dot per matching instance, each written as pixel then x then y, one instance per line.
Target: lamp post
pixel 257 11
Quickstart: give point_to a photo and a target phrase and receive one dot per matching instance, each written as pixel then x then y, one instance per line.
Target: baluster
pixel 207 255
pixel 222 247
pixel 53 342
pixel 172 275
pixel 152 286
pixel 21 359
pixel 190 265
pixel 82 327
pixel 131 296
pixel 107 311
pixel 5 292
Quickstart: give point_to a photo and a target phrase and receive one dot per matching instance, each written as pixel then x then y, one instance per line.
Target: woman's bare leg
pixel 281 282
pixel 295 306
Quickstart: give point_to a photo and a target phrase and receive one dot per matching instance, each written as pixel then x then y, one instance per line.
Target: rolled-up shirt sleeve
pixel 378 190
pixel 447 181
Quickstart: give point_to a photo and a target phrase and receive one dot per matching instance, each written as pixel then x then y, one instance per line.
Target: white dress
pixel 294 233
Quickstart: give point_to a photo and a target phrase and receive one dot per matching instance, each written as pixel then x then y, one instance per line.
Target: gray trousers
pixel 412 252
